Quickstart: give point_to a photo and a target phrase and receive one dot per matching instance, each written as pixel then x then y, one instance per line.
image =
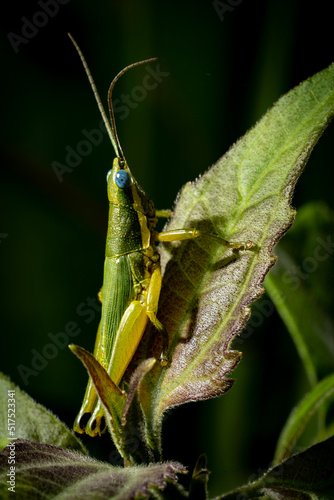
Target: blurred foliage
pixel 223 75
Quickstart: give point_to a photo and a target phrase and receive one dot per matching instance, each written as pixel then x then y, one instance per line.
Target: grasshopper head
pixel 120 183
pixel 123 189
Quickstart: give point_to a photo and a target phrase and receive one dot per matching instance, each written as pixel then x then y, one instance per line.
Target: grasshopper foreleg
pixel 189 234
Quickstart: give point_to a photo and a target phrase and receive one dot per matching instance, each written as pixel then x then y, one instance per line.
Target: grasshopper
pixel 132 274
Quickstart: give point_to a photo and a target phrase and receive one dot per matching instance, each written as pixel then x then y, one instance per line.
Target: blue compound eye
pixel 123 179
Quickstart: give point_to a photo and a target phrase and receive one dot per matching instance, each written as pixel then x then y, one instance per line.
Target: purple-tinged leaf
pixel 45 471
pixel 208 288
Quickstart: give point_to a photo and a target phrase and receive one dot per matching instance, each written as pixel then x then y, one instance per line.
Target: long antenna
pixel 97 97
pixel 112 85
pixel 110 126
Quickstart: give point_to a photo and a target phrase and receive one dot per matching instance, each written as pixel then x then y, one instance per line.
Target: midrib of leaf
pixel 277 150
pixel 243 205
pixel 202 290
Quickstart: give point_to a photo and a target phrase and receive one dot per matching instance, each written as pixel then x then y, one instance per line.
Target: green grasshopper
pixel 132 275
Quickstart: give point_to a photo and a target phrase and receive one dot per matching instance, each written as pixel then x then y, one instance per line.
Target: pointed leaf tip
pixel 207 288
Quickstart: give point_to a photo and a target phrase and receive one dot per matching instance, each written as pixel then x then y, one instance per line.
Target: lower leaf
pixel 44 471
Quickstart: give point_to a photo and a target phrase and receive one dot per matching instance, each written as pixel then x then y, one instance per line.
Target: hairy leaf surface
pixel 32 420
pixel 207 288
pixel 45 471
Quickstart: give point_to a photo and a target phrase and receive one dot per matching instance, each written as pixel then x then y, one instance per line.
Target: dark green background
pixel 223 75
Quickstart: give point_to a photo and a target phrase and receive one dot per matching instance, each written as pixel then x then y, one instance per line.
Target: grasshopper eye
pixel 123 179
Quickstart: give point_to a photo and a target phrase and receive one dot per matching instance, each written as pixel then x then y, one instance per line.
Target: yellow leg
pixel 128 336
pixel 152 300
pixel 188 234
pixel 166 214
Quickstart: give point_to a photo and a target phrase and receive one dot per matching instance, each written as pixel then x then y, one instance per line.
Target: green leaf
pixel 207 287
pixel 300 416
pixel 32 421
pixel 308 475
pixel 300 285
pixel 45 471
